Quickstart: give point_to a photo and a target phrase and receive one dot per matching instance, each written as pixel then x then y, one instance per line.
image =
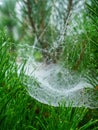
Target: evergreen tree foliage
pixel 93 15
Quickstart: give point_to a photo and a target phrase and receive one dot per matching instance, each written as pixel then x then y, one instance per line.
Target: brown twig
pixel 79 60
pixel 30 16
pixel 69 8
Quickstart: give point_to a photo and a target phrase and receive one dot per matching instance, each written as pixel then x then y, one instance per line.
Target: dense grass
pixel 18 111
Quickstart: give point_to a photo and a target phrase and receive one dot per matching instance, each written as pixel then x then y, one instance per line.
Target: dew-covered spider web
pixel 53 83
pixel 56 84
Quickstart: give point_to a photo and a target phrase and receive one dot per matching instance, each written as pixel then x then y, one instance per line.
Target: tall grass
pixel 18 111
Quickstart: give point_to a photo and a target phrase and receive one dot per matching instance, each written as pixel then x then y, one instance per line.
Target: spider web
pixel 52 83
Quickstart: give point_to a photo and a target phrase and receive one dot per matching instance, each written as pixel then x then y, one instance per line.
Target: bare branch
pixel 30 16
pixel 79 60
pixel 69 8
